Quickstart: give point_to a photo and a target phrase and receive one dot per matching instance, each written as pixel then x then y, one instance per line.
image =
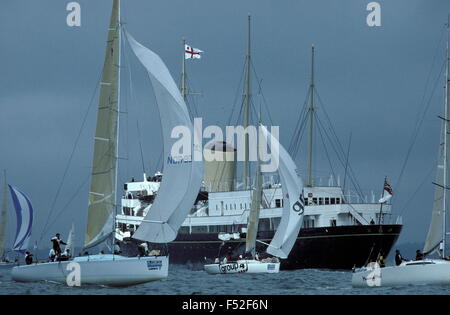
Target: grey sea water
pixel 192 280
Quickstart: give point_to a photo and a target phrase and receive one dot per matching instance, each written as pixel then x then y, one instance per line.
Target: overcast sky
pixel 372 80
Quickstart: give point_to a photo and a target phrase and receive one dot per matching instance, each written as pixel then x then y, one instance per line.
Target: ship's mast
pixel 183 88
pixel 309 182
pixel 247 97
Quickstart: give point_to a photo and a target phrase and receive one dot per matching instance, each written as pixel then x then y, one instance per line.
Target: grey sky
pixel 371 80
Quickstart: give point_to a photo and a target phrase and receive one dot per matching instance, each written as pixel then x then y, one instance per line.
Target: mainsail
pixel 293 202
pixel 182 173
pixel 3 219
pixel 102 193
pixel 24 212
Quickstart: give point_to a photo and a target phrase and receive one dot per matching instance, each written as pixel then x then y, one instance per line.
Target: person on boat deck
pixel 398 258
pixel 28 258
pixel 381 260
pixel 65 256
pixel 419 255
pixel 228 257
pixel 52 255
pixel 57 241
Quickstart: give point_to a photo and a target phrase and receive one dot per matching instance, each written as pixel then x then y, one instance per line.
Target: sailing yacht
pixel 24 213
pixel 182 173
pixel 291 220
pixel 424 271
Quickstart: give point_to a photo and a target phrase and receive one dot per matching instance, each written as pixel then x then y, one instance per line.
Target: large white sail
pixel 24 212
pixel 435 233
pixel 293 202
pixel 102 193
pixel 182 174
pixel 3 219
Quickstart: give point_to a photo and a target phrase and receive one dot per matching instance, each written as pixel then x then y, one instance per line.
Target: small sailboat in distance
pixel 422 271
pixel 24 214
pixel 182 174
pixel 289 227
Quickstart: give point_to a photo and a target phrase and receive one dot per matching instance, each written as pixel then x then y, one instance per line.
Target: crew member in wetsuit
pixel 419 255
pixel 28 258
pixel 57 241
pixel 398 258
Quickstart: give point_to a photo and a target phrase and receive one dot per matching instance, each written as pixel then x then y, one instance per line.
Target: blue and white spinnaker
pixel 24 212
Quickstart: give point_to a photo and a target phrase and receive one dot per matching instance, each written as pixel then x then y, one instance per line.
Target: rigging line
pixel 140 145
pixel 71 156
pixel 299 136
pixel 261 93
pixel 416 192
pixel 341 152
pixel 66 206
pixel 417 129
pixel 237 96
pixel 299 125
pixel 340 158
pixel 419 121
pixel 326 152
pixel 346 161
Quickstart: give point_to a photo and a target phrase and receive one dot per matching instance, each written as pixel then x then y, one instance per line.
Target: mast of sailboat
pixel 247 97
pixel 253 217
pixel 3 217
pixel 119 34
pixel 447 96
pixel 309 181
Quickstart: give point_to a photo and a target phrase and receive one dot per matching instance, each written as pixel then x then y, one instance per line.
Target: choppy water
pixel 193 280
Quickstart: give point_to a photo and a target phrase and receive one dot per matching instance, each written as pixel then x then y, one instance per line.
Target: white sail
pixel 293 202
pixel 435 233
pixel 3 220
pixel 71 241
pixel 24 212
pixel 182 174
pixel 102 193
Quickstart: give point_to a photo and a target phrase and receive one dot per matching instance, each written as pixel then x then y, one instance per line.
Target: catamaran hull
pixel 242 266
pixel 432 272
pixel 120 271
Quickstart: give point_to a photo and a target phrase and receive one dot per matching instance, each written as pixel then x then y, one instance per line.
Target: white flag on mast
pixel 192 53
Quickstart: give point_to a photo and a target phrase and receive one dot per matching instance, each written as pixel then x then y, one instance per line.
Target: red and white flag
pixel 192 53
pixel 387 192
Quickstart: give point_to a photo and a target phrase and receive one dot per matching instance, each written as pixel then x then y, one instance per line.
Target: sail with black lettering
pixel 293 201
pixel 182 173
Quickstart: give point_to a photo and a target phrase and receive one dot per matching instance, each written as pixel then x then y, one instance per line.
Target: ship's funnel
pixel 219 166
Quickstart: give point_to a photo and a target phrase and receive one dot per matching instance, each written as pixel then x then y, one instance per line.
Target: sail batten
pixel 101 206
pixel 182 175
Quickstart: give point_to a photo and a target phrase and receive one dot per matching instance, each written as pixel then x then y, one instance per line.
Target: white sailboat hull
pixel 5 265
pixel 243 266
pixel 430 271
pixel 97 269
